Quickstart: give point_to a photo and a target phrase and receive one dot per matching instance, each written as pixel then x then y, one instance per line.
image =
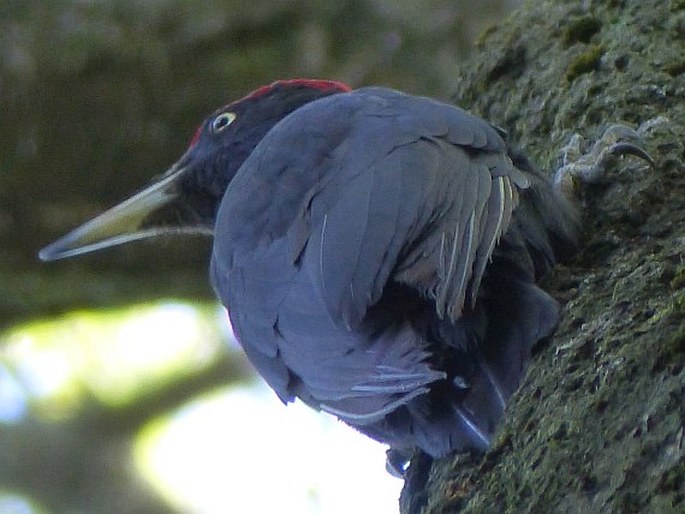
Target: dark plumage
pixel 378 254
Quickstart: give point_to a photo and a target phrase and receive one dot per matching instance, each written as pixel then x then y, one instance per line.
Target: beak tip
pixel 47 254
pixel 120 224
pixel 60 249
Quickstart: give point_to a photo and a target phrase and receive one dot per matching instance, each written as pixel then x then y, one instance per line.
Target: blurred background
pixel 121 387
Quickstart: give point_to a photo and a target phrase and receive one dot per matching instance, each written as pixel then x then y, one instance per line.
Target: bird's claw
pixel 619 149
pixel 589 167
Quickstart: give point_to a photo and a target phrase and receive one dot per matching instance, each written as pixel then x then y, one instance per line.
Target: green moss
pixel 672 350
pixel 511 65
pixel 676 68
pixel 585 63
pixel 678 281
pixel 671 480
pixel 481 40
pixel 581 30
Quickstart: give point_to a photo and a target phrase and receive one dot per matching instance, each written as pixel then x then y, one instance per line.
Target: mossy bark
pixel 597 425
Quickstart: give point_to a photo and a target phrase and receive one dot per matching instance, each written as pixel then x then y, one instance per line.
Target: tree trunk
pixel 597 425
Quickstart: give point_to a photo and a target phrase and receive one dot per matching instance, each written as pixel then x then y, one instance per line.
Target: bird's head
pixel 186 198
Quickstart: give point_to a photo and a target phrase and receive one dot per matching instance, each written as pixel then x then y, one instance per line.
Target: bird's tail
pixel 485 370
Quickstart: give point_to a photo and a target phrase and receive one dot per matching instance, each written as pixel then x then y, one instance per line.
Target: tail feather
pixel 488 356
pixel 523 314
pixel 478 435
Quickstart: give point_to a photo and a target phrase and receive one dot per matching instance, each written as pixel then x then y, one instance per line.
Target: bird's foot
pixel 397 462
pixel 583 167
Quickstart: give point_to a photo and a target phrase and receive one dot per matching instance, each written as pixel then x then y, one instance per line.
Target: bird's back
pixel 378 254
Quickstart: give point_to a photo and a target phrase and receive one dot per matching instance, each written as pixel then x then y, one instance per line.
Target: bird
pixel 378 253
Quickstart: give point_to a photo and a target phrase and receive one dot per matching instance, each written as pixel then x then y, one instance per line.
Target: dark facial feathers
pixel 216 157
pixel 378 255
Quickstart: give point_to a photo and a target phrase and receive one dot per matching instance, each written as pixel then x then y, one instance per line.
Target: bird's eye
pixel 222 121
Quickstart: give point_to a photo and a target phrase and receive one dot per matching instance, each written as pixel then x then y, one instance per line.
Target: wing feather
pixel 470 208
pixel 421 204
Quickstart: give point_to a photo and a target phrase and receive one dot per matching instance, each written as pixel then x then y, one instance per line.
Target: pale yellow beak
pixel 126 222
